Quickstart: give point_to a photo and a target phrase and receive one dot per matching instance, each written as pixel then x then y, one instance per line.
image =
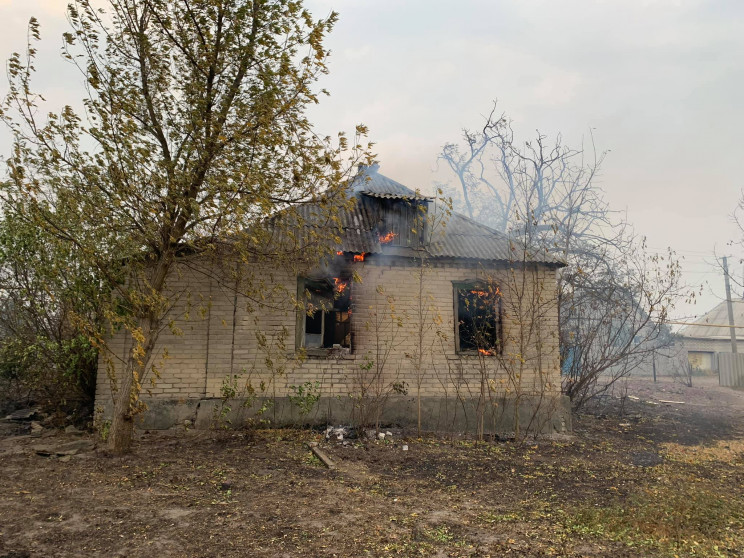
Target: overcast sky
pixel 659 82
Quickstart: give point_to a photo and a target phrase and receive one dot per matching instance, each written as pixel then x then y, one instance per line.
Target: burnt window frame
pixel 301 322
pixel 404 218
pixel 498 345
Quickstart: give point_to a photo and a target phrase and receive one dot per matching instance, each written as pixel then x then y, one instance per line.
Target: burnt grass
pixel 639 478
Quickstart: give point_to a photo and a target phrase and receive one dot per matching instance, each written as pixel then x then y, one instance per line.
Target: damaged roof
pixel 371 183
pixel 460 237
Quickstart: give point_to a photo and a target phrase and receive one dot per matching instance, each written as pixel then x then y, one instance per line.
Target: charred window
pixel 402 222
pixel 327 320
pixel 478 327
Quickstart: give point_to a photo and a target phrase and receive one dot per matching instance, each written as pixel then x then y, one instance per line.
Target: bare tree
pixel 614 295
pixel 377 377
pixel 613 321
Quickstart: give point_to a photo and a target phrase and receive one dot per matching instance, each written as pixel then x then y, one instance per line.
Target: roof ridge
pixel 389 187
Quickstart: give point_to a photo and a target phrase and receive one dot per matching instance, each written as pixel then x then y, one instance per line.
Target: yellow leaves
pixel 137 335
pixel 727 451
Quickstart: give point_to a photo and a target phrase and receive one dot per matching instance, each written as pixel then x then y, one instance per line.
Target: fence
pixel 731 369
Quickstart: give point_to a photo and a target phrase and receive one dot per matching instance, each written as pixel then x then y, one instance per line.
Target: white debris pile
pixel 343 433
pixel 339 433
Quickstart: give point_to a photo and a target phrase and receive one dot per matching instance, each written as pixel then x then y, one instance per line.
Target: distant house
pixel 709 336
pixel 461 344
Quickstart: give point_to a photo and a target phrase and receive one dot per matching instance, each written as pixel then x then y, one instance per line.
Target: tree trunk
pixel 122 424
pixel 127 395
pixel 481 401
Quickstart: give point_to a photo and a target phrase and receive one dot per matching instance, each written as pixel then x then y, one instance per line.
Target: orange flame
pixel 479 292
pixel 339 253
pixel 359 257
pixel 485 352
pixel 340 285
pixel 386 239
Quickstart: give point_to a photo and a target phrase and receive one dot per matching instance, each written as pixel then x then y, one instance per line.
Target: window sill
pixel 475 354
pixel 343 353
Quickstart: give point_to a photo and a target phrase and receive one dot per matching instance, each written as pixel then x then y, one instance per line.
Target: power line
pixel 701 325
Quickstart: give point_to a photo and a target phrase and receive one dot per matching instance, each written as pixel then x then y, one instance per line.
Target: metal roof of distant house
pixel 460 237
pixel 713 325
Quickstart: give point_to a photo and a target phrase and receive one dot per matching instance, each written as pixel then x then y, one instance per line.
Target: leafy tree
pixel 194 140
pixel 47 302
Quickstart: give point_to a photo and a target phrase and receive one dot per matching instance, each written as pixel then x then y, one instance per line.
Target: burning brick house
pixel 421 315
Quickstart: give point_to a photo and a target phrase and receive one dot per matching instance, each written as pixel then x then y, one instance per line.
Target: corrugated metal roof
pixel 372 183
pixel 360 226
pixel 464 238
pixel 716 317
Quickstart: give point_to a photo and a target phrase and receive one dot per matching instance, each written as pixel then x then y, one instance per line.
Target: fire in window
pixel 402 222
pixel 478 318
pixel 327 321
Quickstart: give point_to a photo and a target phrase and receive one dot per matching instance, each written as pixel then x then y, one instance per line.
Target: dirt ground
pixel 655 470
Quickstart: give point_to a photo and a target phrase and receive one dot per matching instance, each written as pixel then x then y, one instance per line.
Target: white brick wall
pixel 220 335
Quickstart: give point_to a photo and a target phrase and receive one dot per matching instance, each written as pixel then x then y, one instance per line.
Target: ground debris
pixel 669 484
pixel 66 449
pixel 340 433
pixel 24 415
pixel 320 454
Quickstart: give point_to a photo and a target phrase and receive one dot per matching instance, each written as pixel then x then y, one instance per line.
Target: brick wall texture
pixel 400 310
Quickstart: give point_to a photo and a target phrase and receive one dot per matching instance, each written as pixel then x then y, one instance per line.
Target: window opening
pixel 327 322
pixel 402 223
pixel 478 319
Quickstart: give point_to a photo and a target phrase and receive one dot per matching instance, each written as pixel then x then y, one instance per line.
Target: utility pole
pixel 732 329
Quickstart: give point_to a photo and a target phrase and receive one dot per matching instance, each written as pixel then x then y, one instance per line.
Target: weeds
pixel 440 534
pixel 233 391
pixel 687 516
pixel 304 397
pixel 101 425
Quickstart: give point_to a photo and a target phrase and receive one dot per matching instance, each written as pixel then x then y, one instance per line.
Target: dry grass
pixel 659 482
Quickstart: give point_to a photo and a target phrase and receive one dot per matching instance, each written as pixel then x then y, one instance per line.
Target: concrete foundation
pixel 542 415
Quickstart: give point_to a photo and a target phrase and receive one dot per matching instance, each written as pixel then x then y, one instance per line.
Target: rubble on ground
pixel 342 434
pixel 32 423
pixel 70 448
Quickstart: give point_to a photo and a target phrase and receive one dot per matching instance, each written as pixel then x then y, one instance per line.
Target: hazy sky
pixel 659 82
